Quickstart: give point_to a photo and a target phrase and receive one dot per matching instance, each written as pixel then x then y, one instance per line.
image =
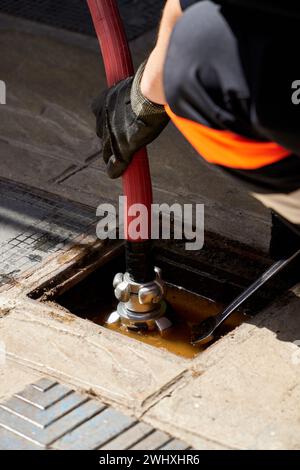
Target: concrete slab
pixel 119 370
pixel 244 391
pixel 37 166
pixel 13 377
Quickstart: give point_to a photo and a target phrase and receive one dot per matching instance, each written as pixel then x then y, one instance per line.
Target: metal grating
pixel 34 226
pixel 139 16
pixel 49 415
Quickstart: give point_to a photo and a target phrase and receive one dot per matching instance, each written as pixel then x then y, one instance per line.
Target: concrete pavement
pixel 243 392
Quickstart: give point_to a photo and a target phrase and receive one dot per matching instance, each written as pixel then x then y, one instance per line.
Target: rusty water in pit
pixel 185 309
pixel 93 299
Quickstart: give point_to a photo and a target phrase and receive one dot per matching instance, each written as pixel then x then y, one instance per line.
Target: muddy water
pixel 93 299
pixel 187 309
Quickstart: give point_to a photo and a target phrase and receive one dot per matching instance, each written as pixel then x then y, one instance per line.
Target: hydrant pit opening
pixel 93 298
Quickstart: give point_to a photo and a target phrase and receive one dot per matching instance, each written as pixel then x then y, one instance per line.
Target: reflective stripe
pixel 227 148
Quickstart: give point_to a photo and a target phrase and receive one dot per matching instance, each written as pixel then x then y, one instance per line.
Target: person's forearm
pixel 152 81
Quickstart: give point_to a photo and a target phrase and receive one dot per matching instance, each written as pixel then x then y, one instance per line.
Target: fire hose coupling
pixel 141 305
pixel 138 297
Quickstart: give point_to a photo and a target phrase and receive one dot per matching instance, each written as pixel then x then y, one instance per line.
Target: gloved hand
pixel 125 122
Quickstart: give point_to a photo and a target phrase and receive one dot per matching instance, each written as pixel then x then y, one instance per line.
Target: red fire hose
pixel 134 310
pixel 118 65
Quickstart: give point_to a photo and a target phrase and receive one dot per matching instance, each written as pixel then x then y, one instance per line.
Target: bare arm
pixel 152 81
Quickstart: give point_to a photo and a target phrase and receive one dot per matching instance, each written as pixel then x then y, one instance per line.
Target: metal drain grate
pixel 139 16
pixel 49 415
pixel 33 226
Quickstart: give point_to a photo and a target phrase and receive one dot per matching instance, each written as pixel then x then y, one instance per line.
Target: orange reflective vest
pixel 226 148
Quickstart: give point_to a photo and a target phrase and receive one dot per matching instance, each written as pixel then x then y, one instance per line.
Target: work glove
pixel 126 121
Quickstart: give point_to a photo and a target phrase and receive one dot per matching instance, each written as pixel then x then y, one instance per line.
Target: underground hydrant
pixel 140 290
pixel 141 306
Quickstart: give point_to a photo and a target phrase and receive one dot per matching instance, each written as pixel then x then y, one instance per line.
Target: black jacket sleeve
pixel 187 3
pixel 288 8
